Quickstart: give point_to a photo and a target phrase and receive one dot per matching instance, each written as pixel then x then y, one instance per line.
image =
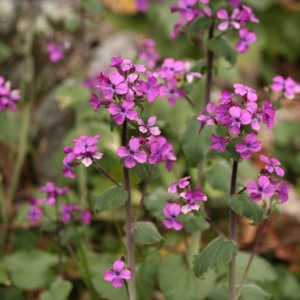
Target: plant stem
pixel 143 196
pixel 209 67
pixel 129 233
pixel 257 240
pixel 99 168
pixel 232 232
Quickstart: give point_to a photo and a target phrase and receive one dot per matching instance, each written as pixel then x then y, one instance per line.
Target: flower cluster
pixel 237 20
pixel 240 118
pixel 188 200
pixel 117 274
pixel 147 52
pixel 170 72
pixel 288 87
pixel 85 149
pixel 51 197
pixel 8 98
pixel 56 50
pixel 189 10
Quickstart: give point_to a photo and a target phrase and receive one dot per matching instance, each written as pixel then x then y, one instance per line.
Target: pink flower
pixel 171 90
pixel 251 144
pixel 172 211
pixel 283 192
pixel 246 37
pixel 218 143
pixel 287 86
pixel 244 90
pixel 229 20
pixel 262 187
pixel 117 274
pixel 238 118
pixel 123 111
pixel 153 130
pixel 132 154
pixel 179 186
pixel 272 165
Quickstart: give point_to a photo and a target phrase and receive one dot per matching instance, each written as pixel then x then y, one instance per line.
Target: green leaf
pixel 146 275
pixel 218 252
pixel 198 25
pixel 31 269
pixel 178 283
pixel 59 290
pixel 4 279
pixel 196 145
pixel 146 233
pixel 141 171
pixel 221 47
pixel 254 292
pixel 261 271
pixel 111 198
pixel 243 205
pixel 5 51
pixel 192 223
pixel 92 5
pixel 155 202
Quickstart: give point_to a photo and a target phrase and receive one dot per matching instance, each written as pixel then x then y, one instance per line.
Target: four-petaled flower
pixel 251 144
pixel 272 165
pixel 121 112
pixel 218 143
pixel 117 274
pixel 263 187
pixel 172 211
pixel 132 154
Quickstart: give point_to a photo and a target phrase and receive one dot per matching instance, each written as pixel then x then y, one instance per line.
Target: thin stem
pixel 58 241
pixel 254 250
pixel 232 232
pixel 215 227
pixel 143 196
pixel 209 67
pixel 99 168
pixel 129 233
pixel 190 102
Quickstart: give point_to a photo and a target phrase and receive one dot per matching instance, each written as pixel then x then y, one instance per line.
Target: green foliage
pixel 254 292
pixel 196 145
pixel 155 202
pixel 112 198
pixel 221 47
pixel 243 205
pixel 218 252
pixel 31 269
pixel 197 26
pixel 146 233
pixel 5 52
pixel 59 290
pixel 193 223
pixel 177 282
pixel 92 5
pixel 146 274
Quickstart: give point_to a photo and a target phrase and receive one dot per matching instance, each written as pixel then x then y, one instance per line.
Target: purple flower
pixel 68 164
pixel 238 118
pixel 171 68
pixel 117 274
pixel 226 97
pixel 34 213
pixel 229 20
pixel 8 98
pixel 251 144
pixel 272 165
pixel 256 117
pixel 96 102
pixel 114 84
pixel 244 90
pixel 192 197
pixel 207 116
pixel 246 15
pixel 86 216
pixel 268 114
pixel 171 90
pixel 159 150
pixel 218 143
pixel 287 86
pixel 146 51
pixel 153 130
pixel 152 89
pixel 262 187
pixel 179 186
pixel 55 52
pixel 283 192
pixel 186 9
pixel 172 211
pixel 52 192
pixel 123 111
pixel 132 154
pixel 246 37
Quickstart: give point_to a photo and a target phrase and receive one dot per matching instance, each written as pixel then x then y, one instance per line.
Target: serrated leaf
pixel 196 145
pixel 178 283
pixel 221 47
pixel 254 292
pixel 146 233
pixel 243 205
pixel 218 252
pixel 155 202
pixel 31 269
pixel 192 223
pixel 141 171
pixel 112 198
pixel 198 25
